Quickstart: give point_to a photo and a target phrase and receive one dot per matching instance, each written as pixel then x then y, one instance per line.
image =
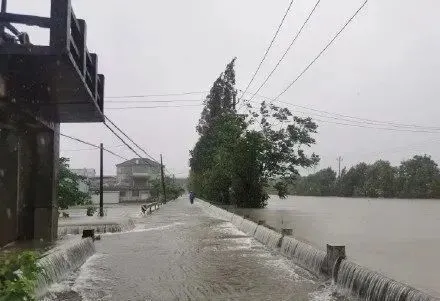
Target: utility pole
pixel 339 159
pixel 101 181
pixel 163 180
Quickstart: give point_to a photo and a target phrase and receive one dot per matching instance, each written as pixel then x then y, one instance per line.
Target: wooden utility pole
pixel 101 181
pixel 163 180
pixel 339 159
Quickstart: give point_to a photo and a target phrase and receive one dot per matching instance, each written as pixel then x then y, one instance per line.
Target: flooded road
pixel 181 253
pixel 399 238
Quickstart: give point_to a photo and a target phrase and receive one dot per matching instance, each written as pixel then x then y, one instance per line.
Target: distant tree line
pixel 173 189
pixel 418 177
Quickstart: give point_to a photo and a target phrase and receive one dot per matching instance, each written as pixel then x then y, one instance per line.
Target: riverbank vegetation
pixel 239 152
pixel 418 177
pixel 18 275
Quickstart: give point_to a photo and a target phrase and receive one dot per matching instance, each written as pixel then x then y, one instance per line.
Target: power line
pixel 91 144
pixel 88 149
pixel 154 107
pixel 158 95
pixel 378 128
pixel 126 144
pixel 348 117
pixel 154 101
pixel 287 50
pixel 78 150
pixel 131 140
pixel 323 50
pixel 267 50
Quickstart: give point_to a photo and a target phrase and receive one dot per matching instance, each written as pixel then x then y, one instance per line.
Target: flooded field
pixel 400 238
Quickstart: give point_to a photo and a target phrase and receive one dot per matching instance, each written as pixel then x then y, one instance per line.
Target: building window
pixel 135 193
pixel 122 193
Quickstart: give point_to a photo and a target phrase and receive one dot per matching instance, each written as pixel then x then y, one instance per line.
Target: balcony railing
pixel 67 39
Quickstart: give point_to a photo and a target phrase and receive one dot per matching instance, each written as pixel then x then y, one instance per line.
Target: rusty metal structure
pixel 41 86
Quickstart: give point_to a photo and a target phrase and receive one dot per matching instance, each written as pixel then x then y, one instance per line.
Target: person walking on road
pixel 191 197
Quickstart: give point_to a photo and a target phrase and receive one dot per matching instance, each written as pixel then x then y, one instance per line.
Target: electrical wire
pixel 323 50
pixel 157 95
pixel 267 50
pixel 91 144
pixel 153 107
pixel 131 140
pixel 287 50
pixel 349 117
pixel 154 101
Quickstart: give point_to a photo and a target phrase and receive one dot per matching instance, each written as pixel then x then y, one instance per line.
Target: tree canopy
pixel 172 189
pixel 238 153
pixel 69 193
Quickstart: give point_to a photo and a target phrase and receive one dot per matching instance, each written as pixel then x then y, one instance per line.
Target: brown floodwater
pixel 397 237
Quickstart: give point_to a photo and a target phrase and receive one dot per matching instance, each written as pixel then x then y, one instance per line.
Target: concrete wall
pixel 8 186
pixel 28 177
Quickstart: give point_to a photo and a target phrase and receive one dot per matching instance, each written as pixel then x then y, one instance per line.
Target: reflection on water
pixel 400 238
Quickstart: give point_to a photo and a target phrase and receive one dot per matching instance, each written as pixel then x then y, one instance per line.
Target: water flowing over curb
pixel 303 254
pixel 370 285
pixel 350 278
pixel 125 225
pixel 62 260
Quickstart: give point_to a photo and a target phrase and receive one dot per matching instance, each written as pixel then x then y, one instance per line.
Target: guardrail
pixel 148 207
pixel 67 38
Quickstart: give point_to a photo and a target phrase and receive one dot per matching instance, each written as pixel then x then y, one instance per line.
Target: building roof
pixel 139 161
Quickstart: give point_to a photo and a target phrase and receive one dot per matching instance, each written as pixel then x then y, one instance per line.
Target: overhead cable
pixel 267 50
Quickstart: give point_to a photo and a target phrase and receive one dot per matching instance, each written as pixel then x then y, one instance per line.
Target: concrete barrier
pixel 57 263
pixel 248 227
pixel 267 237
pixel 237 220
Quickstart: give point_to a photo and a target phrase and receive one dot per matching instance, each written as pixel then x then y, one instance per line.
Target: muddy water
pixel 181 253
pixel 400 238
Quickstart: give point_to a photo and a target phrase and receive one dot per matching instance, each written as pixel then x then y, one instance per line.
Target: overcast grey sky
pixel 383 67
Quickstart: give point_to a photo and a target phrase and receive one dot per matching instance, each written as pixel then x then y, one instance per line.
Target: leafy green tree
pixel 321 183
pixel 237 155
pixel 219 128
pixel 418 177
pixel 380 180
pixel 69 193
pixel 352 183
pixel 172 189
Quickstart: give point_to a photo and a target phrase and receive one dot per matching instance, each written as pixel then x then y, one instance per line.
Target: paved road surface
pixel 181 253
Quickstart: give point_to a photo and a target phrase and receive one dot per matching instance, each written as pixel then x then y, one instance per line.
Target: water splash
pixel 57 263
pixel 237 220
pixel 267 237
pixel 303 254
pixel 122 226
pixel 369 285
pixel 248 227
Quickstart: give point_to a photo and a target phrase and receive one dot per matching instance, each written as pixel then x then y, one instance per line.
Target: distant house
pixel 84 172
pixel 90 183
pixel 110 188
pixel 87 174
pixel 133 177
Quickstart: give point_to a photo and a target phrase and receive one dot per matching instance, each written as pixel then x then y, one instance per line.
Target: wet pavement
pixel 182 253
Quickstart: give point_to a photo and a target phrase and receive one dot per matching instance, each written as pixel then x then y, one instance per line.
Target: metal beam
pixel 25 19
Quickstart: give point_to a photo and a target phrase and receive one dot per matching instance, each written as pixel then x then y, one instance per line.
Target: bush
pixel 91 210
pixel 18 275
